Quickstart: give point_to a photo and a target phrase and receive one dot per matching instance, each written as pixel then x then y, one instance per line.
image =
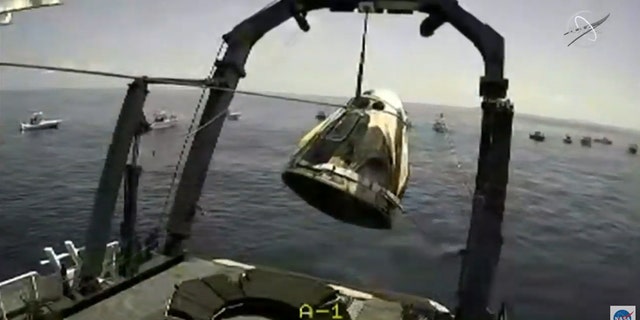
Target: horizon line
pixel 178 88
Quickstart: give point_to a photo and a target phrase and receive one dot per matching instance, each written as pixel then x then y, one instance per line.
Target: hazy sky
pixel 592 80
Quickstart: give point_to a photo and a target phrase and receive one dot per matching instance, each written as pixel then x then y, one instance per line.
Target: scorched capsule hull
pixel 354 165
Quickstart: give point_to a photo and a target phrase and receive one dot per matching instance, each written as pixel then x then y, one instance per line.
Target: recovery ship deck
pixel 189 287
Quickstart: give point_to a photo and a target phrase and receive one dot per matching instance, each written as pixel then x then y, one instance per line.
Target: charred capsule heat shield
pixel 354 165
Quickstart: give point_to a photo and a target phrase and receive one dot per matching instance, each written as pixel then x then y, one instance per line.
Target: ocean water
pixel 571 249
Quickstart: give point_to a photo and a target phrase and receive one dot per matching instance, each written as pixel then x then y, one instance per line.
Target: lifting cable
pixel 359 80
pixel 155 232
pixel 363 48
pixel 199 83
pixel 447 136
pixel 458 162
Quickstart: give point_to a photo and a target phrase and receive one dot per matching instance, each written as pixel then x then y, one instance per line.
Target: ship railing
pixel 33 287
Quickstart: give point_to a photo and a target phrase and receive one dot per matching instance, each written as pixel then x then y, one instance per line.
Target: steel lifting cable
pixel 363 51
pixel 212 70
pixel 68 70
pixel 456 158
pixel 453 152
pixel 359 92
pixel 221 113
pixel 186 141
pixel 206 83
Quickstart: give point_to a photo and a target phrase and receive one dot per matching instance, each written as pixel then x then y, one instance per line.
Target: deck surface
pixel 225 280
pixel 149 299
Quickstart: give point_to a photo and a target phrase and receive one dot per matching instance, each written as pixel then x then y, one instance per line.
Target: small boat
pixel 38 122
pixel 162 120
pixel 603 140
pixel 235 116
pixel 585 141
pixel 408 124
pixel 567 139
pixel 537 136
pixel 320 116
pixel 633 148
pixel 440 126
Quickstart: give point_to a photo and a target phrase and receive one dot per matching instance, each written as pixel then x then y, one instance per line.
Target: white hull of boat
pixel 164 124
pixel 604 141
pixel 234 116
pixel 42 125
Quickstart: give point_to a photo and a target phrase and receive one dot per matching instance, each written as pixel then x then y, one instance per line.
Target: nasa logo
pixel 622 312
pixel 579 26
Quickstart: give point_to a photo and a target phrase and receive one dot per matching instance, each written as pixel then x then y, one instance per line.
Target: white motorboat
pixel 440 126
pixel 234 115
pixel 162 120
pixel 38 122
pixel 603 140
pixel 537 136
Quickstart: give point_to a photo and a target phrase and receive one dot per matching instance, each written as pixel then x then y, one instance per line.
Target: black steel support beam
pixel 106 196
pixel 129 241
pixel 484 241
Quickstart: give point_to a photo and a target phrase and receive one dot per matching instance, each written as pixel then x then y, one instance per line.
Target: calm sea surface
pixel 572 245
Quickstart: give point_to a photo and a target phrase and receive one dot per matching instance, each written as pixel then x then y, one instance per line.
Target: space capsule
pixel 354 165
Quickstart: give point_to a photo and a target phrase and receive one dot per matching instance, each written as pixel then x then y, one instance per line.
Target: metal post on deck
pixel 99 230
pixel 484 242
pixel 195 172
pixel 128 235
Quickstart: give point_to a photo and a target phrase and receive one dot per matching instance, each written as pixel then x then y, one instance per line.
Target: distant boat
pixel 633 148
pixel 408 124
pixel 567 139
pixel 162 120
pixel 537 136
pixel 585 141
pixel 321 115
pixel 440 126
pixel 235 116
pixel 603 140
pixel 38 122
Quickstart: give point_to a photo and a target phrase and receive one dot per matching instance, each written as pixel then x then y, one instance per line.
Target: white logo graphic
pixel 580 31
